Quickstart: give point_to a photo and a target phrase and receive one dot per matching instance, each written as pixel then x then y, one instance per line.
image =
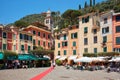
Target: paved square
pixel 59 73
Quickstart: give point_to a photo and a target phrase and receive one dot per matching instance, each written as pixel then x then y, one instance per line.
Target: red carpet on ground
pixel 41 75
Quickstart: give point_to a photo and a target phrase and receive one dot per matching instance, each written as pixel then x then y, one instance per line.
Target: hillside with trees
pixel 70 17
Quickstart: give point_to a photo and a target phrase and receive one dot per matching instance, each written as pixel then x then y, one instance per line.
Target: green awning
pixel 1 55
pixel 11 57
pixel 27 57
pixel 30 57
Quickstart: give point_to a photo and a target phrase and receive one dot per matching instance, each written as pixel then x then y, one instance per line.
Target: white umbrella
pixel 83 59
pixel 97 59
pixel 72 57
pixel 63 58
pixel 115 59
pixel 57 57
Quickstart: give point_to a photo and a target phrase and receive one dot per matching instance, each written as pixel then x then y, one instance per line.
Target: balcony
pixel 103 44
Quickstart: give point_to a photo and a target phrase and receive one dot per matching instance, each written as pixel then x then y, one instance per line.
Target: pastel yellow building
pixel 61 43
pixel 66 44
pixel 89 34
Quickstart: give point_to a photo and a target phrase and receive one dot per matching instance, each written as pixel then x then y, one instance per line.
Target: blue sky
pixel 12 10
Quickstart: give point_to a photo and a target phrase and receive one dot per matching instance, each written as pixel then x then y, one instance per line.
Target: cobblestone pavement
pixel 20 74
pixel 59 73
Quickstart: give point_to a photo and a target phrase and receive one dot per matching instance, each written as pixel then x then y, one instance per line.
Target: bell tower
pixel 48 20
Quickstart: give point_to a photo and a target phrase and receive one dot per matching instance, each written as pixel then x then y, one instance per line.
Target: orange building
pixel 66 44
pixel 116 32
pixel 41 36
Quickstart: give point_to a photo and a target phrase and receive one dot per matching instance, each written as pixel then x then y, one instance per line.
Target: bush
pixel 108 54
pixel 1 66
pixel 90 54
pixel 58 62
pixel 101 54
pixel 9 55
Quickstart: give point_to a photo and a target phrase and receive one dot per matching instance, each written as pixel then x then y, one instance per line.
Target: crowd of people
pixel 107 66
pixel 18 64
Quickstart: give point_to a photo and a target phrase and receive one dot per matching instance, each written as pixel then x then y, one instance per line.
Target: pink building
pixel 116 32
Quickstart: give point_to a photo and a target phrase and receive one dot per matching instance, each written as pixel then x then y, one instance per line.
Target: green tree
pixel 94 2
pixel 90 3
pixel 85 5
pixel 9 55
pixel 71 17
pixel 21 24
pixel 79 7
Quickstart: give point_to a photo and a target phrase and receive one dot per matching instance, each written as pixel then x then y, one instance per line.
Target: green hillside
pixel 33 18
pixel 70 17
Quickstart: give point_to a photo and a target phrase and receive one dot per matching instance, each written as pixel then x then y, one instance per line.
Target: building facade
pixel 96 33
pixel 89 34
pixel 41 37
pixel 116 32
pixel 106 31
pixel 61 43
pixel 23 40
pixel 66 44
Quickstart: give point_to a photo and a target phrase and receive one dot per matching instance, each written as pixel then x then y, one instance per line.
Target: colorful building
pixel 106 31
pixel 41 36
pixel 11 40
pixel 61 43
pixel 73 43
pixel 25 43
pixel 89 34
pixel 116 32
pixel 66 43
pixel 25 39
pixel 6 39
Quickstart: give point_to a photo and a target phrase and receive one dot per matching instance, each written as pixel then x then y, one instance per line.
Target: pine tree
pixel 94 2
pixel 90 3
pixel 79 6
pixel 85 6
